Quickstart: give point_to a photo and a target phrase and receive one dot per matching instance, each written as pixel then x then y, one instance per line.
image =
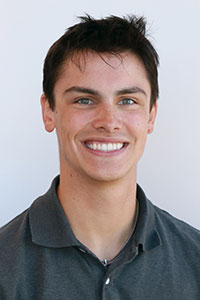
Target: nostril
pixel 107 124
pixel 108 128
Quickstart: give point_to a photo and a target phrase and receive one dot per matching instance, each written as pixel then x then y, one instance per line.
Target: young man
pixel 94 234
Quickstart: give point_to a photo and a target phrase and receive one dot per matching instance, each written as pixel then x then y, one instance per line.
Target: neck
pixel 101 214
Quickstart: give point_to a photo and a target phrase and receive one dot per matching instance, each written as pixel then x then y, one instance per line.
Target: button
pixel 82 250
pixel 105 262
pixel 107 281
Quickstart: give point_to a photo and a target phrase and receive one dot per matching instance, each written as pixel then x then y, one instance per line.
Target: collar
pixel 50 227
pixel 146 233
pixel 48 223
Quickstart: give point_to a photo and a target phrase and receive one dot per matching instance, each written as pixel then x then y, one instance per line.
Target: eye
pixel 127 101
pixel 85 101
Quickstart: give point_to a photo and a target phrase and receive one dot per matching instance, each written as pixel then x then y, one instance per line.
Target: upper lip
pixel 105 140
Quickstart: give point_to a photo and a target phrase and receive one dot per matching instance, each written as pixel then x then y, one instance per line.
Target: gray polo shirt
pixel 41 259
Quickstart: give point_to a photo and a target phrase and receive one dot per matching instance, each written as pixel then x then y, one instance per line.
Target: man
pixel 94 234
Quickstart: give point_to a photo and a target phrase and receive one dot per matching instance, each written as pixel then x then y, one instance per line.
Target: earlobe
pixel 47 114
pixel 152 117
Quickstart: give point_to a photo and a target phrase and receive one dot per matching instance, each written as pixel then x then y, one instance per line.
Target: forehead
pixel 103 71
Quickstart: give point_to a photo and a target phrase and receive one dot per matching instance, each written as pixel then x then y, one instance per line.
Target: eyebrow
pixel 131 90
pixel 82 90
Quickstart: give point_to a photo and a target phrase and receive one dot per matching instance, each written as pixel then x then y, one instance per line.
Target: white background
pixel 169 171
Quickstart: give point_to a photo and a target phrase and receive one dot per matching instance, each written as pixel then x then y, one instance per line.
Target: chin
pixel 106 178
pixel 108 175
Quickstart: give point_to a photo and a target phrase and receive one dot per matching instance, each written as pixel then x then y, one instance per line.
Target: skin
pixel 97 189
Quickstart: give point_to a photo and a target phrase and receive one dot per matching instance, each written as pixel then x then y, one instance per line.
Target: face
pixel 102 116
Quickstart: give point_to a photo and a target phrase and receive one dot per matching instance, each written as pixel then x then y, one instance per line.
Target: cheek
pixel 72 123
pixel 137 122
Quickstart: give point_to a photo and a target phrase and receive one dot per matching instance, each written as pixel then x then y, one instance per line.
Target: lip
pixel 105 140
pixel 103 153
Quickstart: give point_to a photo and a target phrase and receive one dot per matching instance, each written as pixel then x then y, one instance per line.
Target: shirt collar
pixel 48 223
pixel 50 227
pixel 146 233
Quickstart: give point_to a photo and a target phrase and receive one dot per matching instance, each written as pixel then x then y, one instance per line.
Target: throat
pixel 101 217
pixel 107 261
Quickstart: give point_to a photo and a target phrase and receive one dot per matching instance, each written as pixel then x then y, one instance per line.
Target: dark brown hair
pixel 108 35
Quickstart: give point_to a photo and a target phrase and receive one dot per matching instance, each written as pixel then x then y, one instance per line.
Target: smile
pixel 105 147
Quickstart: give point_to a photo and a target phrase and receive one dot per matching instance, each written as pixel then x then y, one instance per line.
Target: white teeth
pixel 105 147
pixel 110 147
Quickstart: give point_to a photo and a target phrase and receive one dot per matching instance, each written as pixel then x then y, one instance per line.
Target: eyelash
pixel 81 101
pixel 127 99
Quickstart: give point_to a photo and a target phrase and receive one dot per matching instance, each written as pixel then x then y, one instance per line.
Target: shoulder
pixel 13 232
pixel 176 232
pixel 15 253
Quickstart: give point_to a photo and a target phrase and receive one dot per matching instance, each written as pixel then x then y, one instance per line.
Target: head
pixel 100 92
pixel 112 35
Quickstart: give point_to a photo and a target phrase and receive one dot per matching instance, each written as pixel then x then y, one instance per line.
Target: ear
pixel 152 117
pixel 47 114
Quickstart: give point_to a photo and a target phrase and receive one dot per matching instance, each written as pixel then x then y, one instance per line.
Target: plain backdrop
pixel 169 171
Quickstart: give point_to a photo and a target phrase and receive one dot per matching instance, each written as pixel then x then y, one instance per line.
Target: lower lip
pixel 103 153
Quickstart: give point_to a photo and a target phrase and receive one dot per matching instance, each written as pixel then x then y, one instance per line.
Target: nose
pixel 107 119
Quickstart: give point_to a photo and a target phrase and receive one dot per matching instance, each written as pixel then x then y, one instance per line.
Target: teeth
pixel 110 147
pixel 105 147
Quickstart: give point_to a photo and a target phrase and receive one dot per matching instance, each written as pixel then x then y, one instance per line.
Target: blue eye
pixel 85 101
pixel 127 101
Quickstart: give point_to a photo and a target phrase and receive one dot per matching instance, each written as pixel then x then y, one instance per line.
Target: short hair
pixel 108 35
